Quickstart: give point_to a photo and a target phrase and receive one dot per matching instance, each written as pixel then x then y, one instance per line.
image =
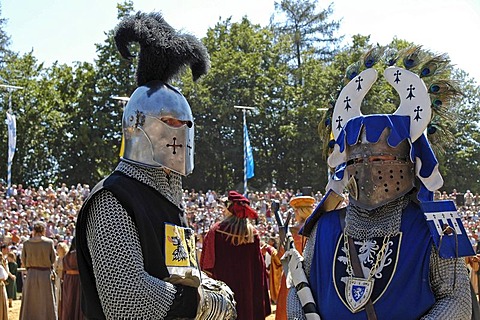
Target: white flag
pixel 12 136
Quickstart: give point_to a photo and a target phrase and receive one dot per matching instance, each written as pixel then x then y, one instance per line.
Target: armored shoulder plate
pixel 447 229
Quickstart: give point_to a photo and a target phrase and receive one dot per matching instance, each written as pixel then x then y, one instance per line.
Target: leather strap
pixel 72 272
pixel 357 268
pixel 40 268
pixel 357 271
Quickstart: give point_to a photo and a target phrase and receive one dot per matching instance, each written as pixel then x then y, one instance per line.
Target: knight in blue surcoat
pixel 391 252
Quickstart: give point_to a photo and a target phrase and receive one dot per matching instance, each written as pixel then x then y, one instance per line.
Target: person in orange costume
pixel 302 207
pixel 275 269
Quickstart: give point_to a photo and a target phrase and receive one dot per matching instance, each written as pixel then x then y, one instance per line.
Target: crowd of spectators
pixel 204 208
pixel 57 207
pixel 468 207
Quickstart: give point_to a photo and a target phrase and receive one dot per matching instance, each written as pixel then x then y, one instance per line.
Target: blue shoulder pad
pixel 447 229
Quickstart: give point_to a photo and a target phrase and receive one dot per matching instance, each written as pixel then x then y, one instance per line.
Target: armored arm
pixel 450 284
pixel 217 300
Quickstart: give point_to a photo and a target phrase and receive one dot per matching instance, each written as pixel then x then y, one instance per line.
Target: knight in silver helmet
pixel 136 253
pixel 158 128
pixel 391 252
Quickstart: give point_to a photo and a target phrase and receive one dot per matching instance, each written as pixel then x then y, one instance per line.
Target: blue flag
pixel 248 154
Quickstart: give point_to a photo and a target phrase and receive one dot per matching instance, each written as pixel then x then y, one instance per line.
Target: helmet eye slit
pixel 354 161
pixel 175 123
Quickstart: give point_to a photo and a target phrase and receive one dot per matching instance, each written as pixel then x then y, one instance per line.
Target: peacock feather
pixel 325 128
pixel 412 57
pixel 390 56
pixel 434 65
pixel 353 70
pixel 373 56
pixel 443 92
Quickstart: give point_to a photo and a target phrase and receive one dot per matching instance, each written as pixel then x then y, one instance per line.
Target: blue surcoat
pixel 401 291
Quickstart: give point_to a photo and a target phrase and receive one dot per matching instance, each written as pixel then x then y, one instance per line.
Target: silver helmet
pixel 157 120
pixel 149 139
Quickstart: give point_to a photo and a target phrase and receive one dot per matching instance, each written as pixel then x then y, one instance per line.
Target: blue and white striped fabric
pixel 12 142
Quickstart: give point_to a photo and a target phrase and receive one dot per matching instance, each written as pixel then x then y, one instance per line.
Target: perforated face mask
pixel 378 173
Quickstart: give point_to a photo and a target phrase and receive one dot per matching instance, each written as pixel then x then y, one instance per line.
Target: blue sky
pixel 66 30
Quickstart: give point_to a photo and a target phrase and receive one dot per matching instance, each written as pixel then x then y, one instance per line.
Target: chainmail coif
pixel 363 224
pixel 169 185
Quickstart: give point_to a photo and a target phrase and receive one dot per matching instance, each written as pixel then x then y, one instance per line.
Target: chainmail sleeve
pixel 294 307
pixel 450 284
pixel 308 251
pixel 125 289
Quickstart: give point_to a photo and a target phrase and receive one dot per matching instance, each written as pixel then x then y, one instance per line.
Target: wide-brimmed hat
pixel 302 201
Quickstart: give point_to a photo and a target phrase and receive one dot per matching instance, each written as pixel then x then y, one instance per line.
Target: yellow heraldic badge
pixel 180 253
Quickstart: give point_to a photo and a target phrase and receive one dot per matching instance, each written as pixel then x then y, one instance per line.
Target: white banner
pixel 12 136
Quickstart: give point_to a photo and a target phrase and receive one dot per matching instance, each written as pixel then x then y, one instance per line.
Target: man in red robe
pixel 231 253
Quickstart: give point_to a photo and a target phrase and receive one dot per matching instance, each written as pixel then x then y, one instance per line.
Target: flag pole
pixel 244 110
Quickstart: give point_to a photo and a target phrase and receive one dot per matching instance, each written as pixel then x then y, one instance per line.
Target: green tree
pixel 68 124
pixel 460 165
pixel 4 40
pixel 32 158
pixel 114 77
pixel 246 70
pixel 75 142
pixel 44 109
pixel 307 30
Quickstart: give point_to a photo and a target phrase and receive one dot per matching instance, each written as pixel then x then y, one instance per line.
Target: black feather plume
pixel 164 53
